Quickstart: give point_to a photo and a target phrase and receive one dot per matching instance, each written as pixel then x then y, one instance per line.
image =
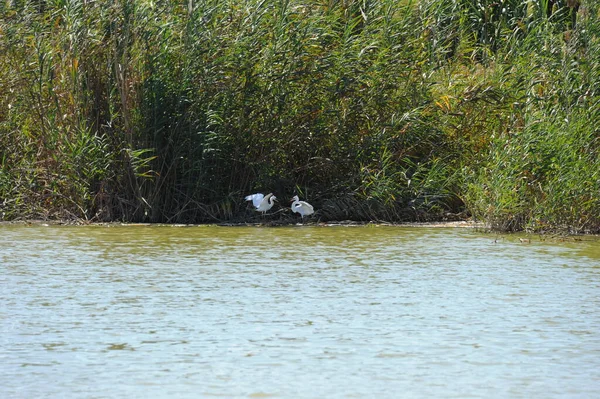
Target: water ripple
pixel 339 312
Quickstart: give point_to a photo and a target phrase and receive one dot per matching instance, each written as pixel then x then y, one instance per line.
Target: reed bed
pixel 385 110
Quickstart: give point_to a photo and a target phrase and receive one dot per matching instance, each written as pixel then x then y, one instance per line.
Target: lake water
pixel 296 312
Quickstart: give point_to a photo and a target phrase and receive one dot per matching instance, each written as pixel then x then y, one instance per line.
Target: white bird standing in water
pixel 262 203
pixel 302 207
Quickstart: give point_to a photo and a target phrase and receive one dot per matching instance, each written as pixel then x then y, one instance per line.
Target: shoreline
pixel 462 224
pixel 343 223
pixel 524 237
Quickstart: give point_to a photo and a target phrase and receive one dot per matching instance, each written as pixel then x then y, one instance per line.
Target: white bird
pixel 302 207
pixel 261 202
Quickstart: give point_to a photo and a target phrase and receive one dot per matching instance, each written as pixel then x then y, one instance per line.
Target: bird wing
pixel 308 208
pixel 255 198
pixel 303 207
pixel 266 203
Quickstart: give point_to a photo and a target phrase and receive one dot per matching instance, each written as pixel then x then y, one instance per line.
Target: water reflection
pixel 298 312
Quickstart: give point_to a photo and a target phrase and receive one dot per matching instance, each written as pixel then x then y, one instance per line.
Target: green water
pixel 296 312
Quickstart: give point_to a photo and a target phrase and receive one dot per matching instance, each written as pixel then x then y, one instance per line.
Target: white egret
pixel 261 202
pixel 302 207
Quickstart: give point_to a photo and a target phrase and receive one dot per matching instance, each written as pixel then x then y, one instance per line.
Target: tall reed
pixel 373 110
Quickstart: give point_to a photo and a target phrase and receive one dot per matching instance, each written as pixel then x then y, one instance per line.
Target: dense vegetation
pixel 172 111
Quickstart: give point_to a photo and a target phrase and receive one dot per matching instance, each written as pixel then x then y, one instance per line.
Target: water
pixel 299 312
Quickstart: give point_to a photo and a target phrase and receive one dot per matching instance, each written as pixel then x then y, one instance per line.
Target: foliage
pixel 413 110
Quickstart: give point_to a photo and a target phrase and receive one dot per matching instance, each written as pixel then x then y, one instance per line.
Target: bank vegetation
pixel 172 111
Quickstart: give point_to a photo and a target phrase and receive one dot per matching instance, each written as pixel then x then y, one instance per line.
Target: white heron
pixel 261 202
pixel 302 207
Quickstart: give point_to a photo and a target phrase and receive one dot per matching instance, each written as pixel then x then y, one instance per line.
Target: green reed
pixel 373 110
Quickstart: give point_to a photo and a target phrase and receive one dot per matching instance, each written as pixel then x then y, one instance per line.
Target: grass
pixel 372 110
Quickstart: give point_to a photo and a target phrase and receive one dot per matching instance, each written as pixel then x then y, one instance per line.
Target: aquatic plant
pixel 416 110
